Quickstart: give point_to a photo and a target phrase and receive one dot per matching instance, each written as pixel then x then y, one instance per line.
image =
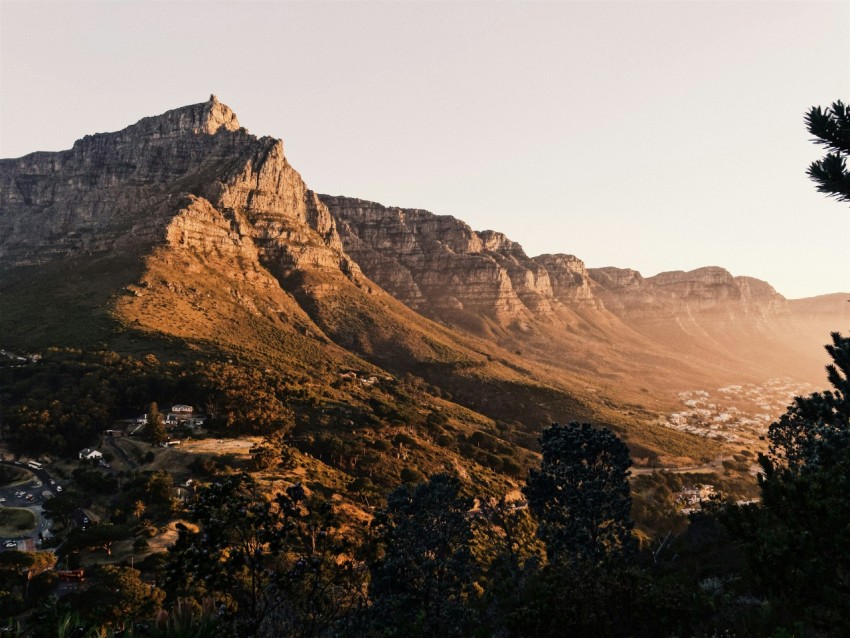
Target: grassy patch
pixel 12 475
pixel 16 521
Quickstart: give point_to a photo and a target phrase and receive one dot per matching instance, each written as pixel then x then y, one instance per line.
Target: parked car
pixel 11 544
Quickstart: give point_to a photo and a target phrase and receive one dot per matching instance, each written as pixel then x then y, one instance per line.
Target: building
pixel 90 454
pixel 187 409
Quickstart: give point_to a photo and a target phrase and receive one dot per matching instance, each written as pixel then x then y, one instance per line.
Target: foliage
pixel 62 506
pixel 815 431
pixel 796 540
pixel 423 580
pixel 158 491
pixel 244 399
pixel 580 495
pixel 119 595
pixel 266 455
pixel 26 566
pixel 155 426
pixel 272 565
pixel 64 400
pixel 101 536
pixel 831 128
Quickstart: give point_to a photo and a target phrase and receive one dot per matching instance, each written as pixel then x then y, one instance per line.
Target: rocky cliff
pixel 704 291
pixel 186 226
pixel 554 309
pixel 438 265
pixel 185 233
pixel 191 176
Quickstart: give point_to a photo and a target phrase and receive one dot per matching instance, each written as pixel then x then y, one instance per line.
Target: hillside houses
pixel 180 415
pixel 739 413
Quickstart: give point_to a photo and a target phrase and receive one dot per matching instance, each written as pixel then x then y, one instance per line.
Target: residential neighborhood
pixel 734 413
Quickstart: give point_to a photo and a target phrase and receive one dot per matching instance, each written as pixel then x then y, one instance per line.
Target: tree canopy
pixel 831 128
pixel 815 431
pixel 580 495
pixel 419 586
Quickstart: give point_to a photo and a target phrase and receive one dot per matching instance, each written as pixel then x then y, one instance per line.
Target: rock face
pixel 706 292
pixel 191 176
pixel 192 189
pixel 438 265
pixel 598 321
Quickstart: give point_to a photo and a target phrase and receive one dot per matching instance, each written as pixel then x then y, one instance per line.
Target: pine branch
pixel 830 126
pixel 831 176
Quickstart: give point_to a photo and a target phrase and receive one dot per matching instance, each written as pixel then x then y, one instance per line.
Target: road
pixel 708 468
pixel 38 488
pixel 121 452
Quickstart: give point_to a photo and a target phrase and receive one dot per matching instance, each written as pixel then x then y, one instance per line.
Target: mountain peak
pixel 204 118
pixel 217 115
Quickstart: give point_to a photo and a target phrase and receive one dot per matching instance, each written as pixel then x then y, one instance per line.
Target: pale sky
pixel 650 135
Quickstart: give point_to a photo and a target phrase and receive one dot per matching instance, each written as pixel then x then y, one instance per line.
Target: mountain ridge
pixel 432 262
pixel 185 234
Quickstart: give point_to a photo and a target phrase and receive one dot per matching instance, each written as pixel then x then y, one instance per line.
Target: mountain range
pixel 186 236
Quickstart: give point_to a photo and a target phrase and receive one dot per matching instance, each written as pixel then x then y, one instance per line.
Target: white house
pixel 89 454
pixel 182 408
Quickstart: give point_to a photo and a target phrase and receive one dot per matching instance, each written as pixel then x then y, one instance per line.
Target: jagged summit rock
pixel 206 117
pixel 126 190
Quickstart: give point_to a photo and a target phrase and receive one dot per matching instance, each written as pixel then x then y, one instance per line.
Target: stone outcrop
pixel 127 191
pixel 709 291
pixel 438 265
pixel 598 321
pixel 193 184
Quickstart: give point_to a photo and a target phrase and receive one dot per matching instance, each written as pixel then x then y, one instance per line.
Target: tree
pixel 580 495
pixel 97 537
pixel 26 564
pixel 62 506
pixel 155 428
pixel 815 431
pixel 272 564
pixel 158 491
pixel 421 584
pixel 265 455
pixel 120 595
pixel 831 128
pixel 796 540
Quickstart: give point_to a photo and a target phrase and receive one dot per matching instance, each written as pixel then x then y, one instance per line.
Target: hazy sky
pixel 651 135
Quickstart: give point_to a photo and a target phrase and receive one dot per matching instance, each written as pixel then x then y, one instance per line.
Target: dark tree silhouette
pixel 831 128
pixel 155 428
pixel 580 495
pixel 796 540
pixel 815 431
pixel 420 585
pixel 272 564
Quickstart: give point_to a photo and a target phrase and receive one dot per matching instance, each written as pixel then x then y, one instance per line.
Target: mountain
pixel 663 332
pixel 185 237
